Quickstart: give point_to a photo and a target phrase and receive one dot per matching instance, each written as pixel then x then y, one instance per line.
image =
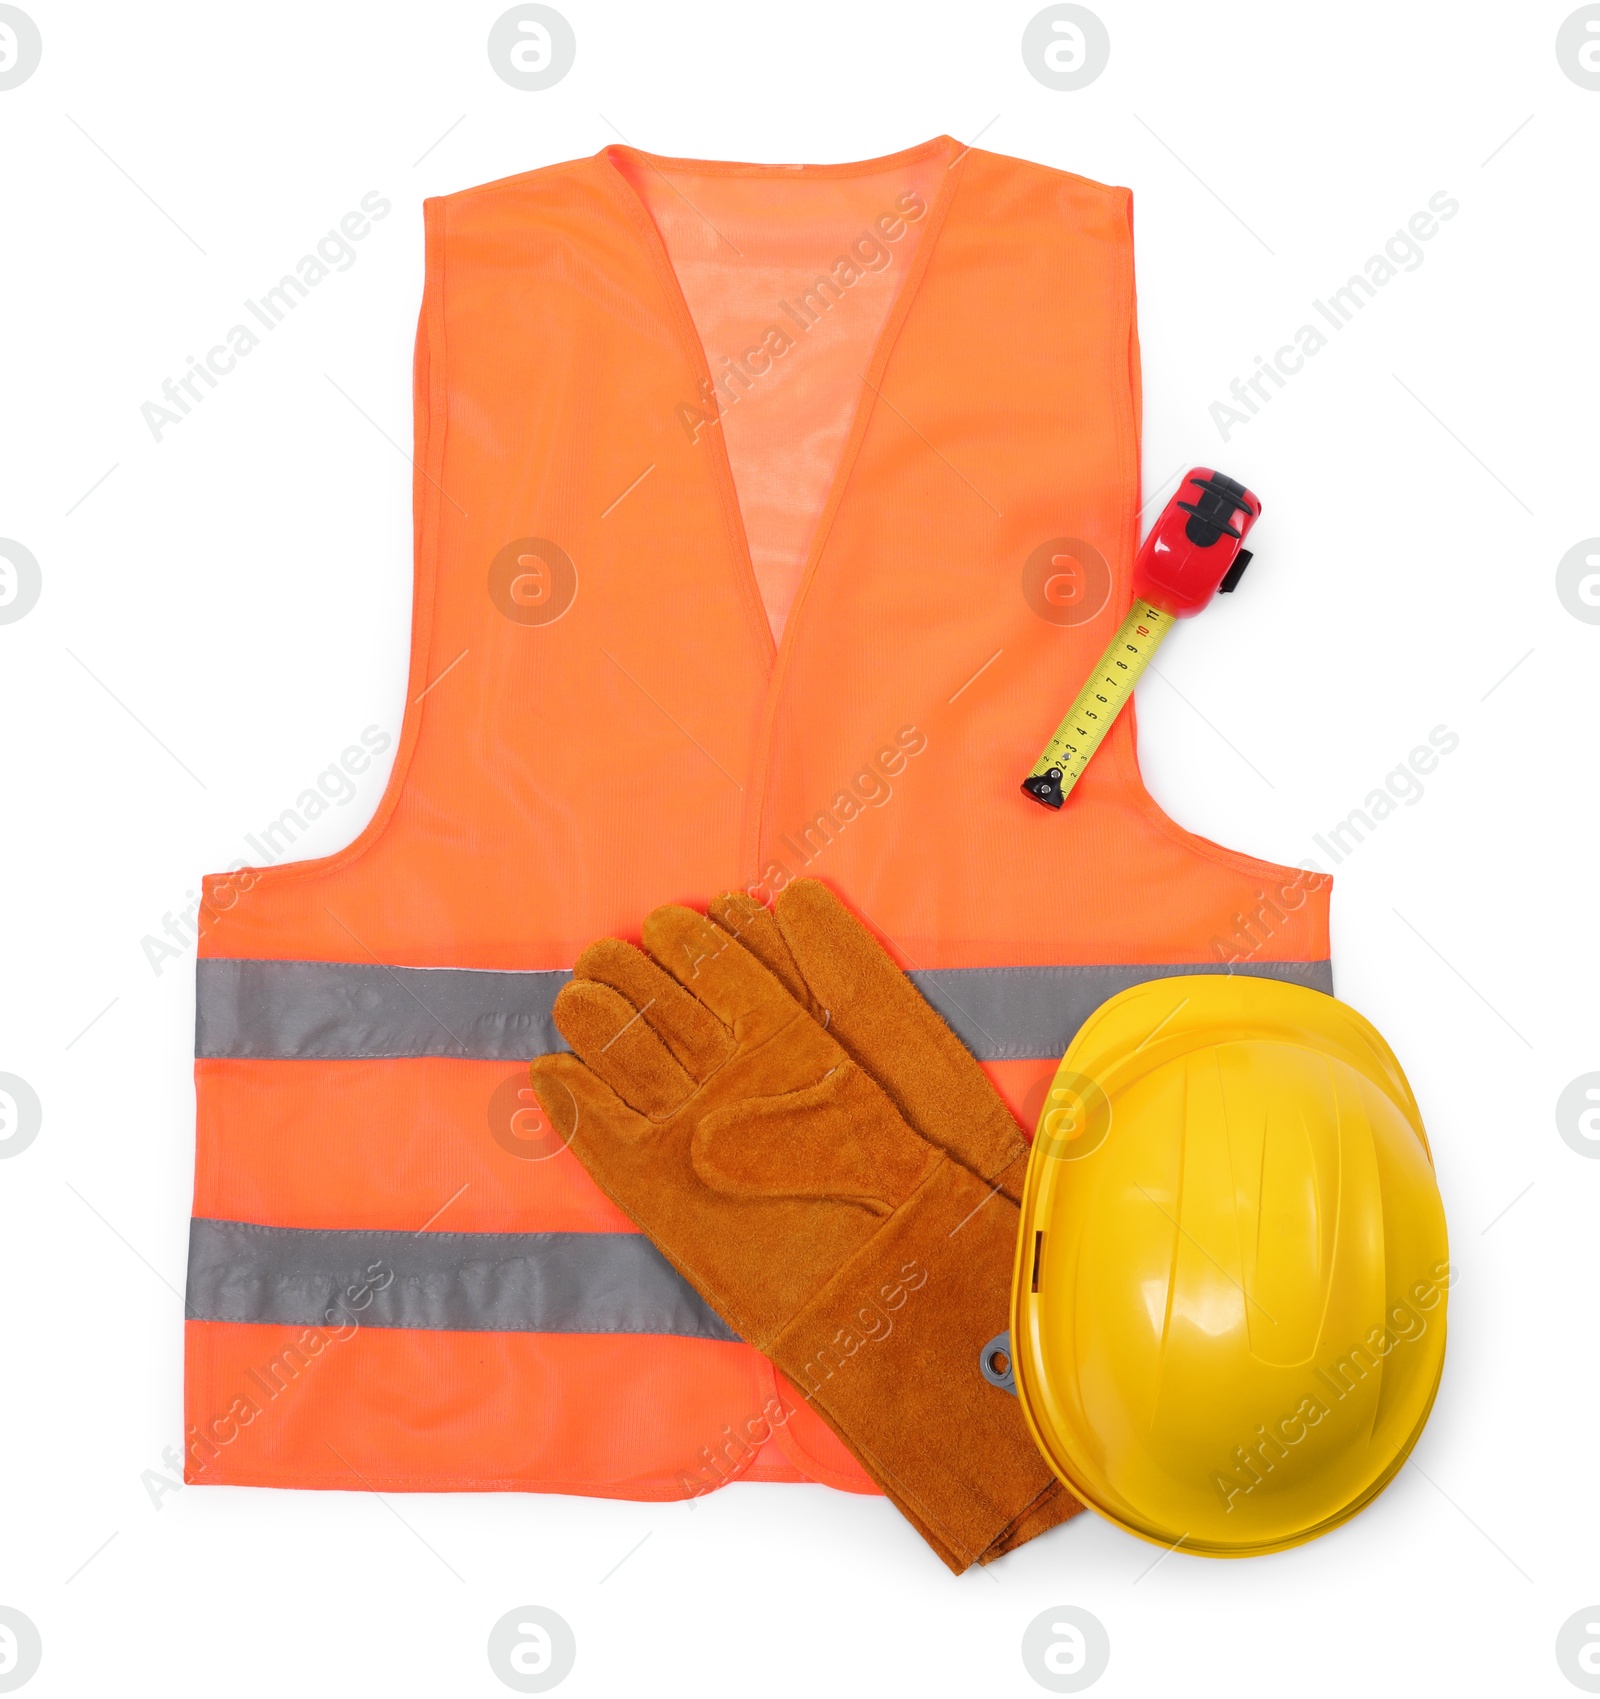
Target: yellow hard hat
pixel 1228 1317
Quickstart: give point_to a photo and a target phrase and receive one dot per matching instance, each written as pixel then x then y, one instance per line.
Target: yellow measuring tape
pixel 1089 718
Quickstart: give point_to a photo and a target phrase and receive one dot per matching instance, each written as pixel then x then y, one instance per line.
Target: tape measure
pixel 1089 718
pixel 1193 552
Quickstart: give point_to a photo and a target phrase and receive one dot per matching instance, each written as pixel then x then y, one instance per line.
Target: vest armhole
pixel 431 414
pixel 1317 885
pixel 1125 737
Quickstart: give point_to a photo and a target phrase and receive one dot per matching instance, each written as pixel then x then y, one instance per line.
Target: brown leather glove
pixel 861 1234
pixel 837 970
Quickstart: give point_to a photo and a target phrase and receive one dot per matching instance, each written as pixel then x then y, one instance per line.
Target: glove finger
pixel 610 1034
pixel 716 968
pixel 845 966
pixel 754 925
pixel 886 1025
pixel 583 1111
pixel 684 1024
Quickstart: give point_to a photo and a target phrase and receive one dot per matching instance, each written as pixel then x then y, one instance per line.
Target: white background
pixel 229 607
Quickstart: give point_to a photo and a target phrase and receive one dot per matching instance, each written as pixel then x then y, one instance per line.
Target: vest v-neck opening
pixel 790 283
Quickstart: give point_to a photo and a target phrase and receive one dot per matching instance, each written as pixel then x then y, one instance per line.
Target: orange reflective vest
pixel 766 519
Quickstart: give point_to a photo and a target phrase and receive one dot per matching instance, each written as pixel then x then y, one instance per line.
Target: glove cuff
pixel 888 1354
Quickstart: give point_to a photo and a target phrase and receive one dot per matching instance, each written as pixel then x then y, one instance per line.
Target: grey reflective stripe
pixel 1008 1014
pixel 467 1282
pixel 298 1011
pixel 345 1010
